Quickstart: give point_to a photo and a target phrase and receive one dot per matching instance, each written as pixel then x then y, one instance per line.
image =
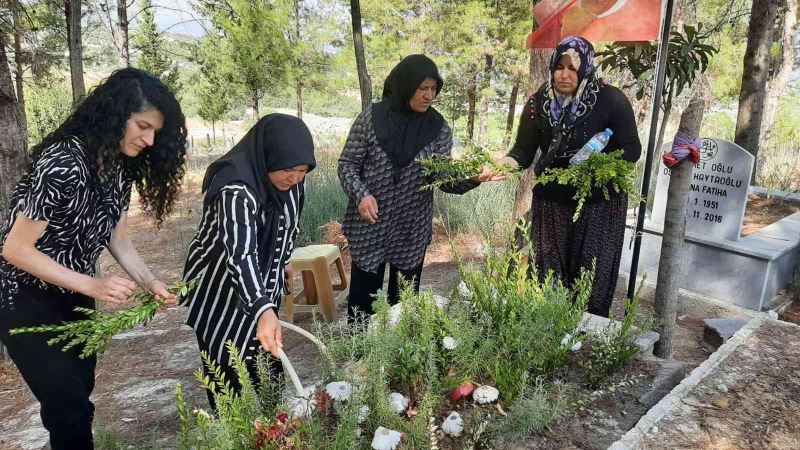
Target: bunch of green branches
pixel 598 172
pixel 96 331
pixel 442 170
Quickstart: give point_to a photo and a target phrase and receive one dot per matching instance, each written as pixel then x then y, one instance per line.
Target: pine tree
pixel 150 45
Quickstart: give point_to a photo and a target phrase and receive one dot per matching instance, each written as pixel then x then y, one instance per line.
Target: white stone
pixel 449 343
pixel 453 425
pixel 485 394
pixel 339 390
pixel 363 412
pixel 464 291
pixel 398 402
pixel 386 439
pixel 303 406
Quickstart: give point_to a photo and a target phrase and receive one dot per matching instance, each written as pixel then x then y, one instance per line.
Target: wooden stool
pixel 318 289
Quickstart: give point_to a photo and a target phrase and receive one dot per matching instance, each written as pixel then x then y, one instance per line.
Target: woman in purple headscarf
pixel 566 111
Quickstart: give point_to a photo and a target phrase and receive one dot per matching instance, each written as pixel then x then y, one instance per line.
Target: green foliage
pixel 537 407
pixel 485 210
pixel 46 107
pixel 615 345
pixel 443 170
pixel 255 46
pixel 95 332
pixel 325 200
pixel 213 81
pixel 151 46
pixel 526 318
pixel 597 172
pixel 688 56
pixel 719 125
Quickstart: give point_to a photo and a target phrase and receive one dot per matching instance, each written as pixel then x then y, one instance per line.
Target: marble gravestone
pixel 718 194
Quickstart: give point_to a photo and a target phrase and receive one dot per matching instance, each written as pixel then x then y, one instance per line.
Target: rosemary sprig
pixel 443 170
pixel 598 172
pixel 96 331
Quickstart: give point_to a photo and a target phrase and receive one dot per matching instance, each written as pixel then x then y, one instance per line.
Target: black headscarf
pixel 276 142
pixel 401 131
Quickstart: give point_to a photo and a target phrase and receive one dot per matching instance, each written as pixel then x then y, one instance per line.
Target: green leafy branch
pixel 443 170
pixel 598 172
pixel 96 331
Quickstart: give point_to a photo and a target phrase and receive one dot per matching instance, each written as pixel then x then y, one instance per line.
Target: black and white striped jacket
pixel 238 281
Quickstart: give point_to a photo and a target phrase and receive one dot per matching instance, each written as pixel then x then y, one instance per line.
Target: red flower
pixel 273 433
pixel 462 390
pixel 283 416
pixel 323 400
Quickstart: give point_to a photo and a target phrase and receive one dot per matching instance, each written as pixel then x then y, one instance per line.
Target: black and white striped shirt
pixel 81 213
pixel 238 281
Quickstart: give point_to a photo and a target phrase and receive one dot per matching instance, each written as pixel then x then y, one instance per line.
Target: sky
pixel 178 16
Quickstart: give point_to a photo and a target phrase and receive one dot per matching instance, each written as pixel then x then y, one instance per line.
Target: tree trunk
pixel 13 148
pixel 538 74
pixel 472 88
pixel 254 99
pixel 486 85
pixel 299 81
pixel 781 79
pixel 19 72
pixel 364 82
pixel 72 10
pixel 512 107
pixel 13 143
pixel 669 266
pixel 122 18
pixel 300 100
pixel 214 131
pixel 754 76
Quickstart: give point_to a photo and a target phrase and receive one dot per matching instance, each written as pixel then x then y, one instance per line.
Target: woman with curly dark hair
pixel 71 204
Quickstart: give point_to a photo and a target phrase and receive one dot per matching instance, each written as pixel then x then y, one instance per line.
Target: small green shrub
pixel 615 345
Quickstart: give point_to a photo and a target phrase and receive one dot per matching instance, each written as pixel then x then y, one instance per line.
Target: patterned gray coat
pixel 405 211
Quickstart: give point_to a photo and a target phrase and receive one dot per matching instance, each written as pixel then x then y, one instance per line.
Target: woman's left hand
pixel 159 289
pixel 488 175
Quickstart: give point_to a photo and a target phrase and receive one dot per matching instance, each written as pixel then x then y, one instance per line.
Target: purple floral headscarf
pixel 581 52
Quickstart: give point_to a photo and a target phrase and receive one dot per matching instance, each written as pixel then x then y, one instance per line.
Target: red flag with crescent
pixel 595 20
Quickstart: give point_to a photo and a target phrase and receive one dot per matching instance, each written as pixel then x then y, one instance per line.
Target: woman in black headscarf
pixel 559 119
pixel 253 199
pixel 389 216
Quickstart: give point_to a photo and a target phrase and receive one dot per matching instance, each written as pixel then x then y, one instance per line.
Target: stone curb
pixel 632 439
pixel 670 374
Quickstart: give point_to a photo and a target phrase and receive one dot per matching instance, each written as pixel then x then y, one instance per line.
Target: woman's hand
pixel 113 290
pixel 159 289
pixel 268 332
pixel 487 174
pixel 368 208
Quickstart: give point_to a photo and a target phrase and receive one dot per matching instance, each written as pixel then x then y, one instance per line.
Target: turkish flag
pixel 595 20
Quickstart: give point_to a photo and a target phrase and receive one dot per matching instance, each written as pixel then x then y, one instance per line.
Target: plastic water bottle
pixel 595 145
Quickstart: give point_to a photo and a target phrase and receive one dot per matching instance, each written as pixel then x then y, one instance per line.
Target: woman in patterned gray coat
pixel 389 216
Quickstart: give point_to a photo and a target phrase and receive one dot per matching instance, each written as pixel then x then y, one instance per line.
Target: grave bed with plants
pixel 503 362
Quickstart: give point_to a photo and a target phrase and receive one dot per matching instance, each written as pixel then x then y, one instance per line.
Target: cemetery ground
pixel 136 377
